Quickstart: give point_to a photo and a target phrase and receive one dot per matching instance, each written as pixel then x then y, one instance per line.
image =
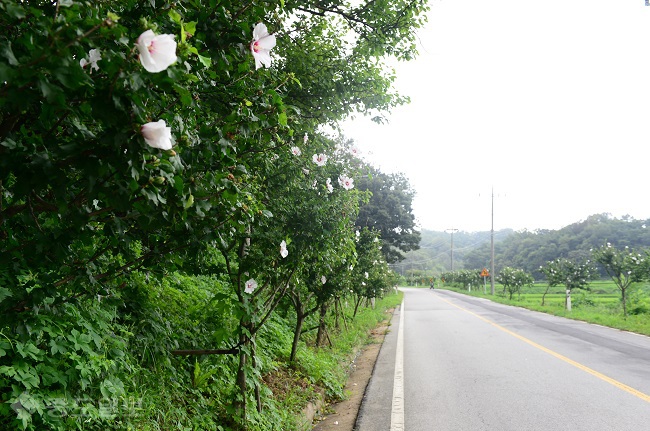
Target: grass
pixel 330 366
pixel 324 371
pixel 601 304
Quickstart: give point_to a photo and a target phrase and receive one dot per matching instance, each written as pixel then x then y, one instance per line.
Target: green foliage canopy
pixel 390 213
pixel 88 209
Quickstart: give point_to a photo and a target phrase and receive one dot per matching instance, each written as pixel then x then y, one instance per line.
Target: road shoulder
pixel 343 415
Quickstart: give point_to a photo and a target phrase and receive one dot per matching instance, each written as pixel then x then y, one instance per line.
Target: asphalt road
pixel 469 364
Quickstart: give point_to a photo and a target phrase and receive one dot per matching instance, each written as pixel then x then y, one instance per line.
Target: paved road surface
pixel 470 364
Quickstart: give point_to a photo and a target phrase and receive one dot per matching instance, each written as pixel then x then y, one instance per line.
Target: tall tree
pixel 389 212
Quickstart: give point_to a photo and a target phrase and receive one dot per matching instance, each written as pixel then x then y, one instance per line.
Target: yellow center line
pixel 626 388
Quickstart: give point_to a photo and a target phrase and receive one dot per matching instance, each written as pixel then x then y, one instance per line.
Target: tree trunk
pixel 258 397
pixel 320 336
pixel 544 295
pixel 624 299
pixel 240 403
pixel 357 302
pixel 336 313
pixel 300 319
pixel 345 323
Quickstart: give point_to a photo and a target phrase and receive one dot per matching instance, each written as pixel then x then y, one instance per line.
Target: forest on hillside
pixel 527 250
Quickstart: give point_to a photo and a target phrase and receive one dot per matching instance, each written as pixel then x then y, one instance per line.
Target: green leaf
pixel 7 53
pixel 24 416
pixel 51 92
pixel 28 350
pixel 50 375
pixel 205 61
pixel 108 389
pixel 297 81
pixel 151 194
pixel 15 11
pixel 5 346
pixel 6 72
pixel 56 347
pixel 282 118
pixel 184 94
pixel 175 16
pixel 4 293
pixel 190 28
pixel 7 371
pixel 12 145
pixel 178 184
pixel 27 375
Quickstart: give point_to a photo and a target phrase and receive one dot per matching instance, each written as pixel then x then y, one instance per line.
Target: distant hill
pixel 527 250
pixel 434 255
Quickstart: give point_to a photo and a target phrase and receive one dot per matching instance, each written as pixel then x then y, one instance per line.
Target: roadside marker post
pixel 485 274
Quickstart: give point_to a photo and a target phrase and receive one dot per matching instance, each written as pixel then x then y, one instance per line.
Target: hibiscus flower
pixel 261 46
pixel 157 52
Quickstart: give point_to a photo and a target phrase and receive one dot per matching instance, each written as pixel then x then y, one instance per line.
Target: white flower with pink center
pixel 261 46
pixel 296 151
pixel 346 182
pixel 250 286
pixel 320 159
pixel 157 52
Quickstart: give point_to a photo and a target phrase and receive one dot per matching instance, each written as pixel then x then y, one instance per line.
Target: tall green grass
pixel 196 393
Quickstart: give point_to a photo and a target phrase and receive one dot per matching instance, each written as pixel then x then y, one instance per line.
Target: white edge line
pixel 397 408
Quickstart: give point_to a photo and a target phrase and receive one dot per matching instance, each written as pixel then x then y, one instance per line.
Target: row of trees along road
pixel 143 142
pixel 624 266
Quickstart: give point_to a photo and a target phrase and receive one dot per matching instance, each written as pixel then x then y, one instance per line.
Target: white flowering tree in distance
pixel 570 273
pixel 625 266
pixel 143 138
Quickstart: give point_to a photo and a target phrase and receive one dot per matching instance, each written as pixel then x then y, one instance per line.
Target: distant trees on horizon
pixel 527 250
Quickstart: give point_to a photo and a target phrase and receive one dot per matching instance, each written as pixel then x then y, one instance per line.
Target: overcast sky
pixel 546 101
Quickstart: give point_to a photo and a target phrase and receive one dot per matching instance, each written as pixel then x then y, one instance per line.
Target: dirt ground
pixel 342 416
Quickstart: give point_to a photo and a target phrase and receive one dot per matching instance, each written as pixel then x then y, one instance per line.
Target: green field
pixel 600 304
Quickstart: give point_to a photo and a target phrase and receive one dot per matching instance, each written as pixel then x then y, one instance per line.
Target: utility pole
pixel 492 248
pixel 452 230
